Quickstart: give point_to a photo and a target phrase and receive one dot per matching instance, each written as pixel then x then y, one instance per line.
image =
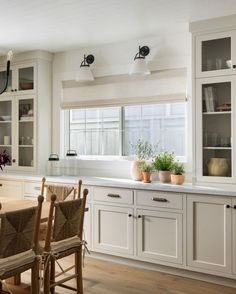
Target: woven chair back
pixel 17 231
pixel 67 219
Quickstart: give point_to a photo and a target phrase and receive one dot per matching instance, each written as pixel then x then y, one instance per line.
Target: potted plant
pixel 163 163
pixel 177 173
pixel 143 151
pixel 4 159
pixel 146 169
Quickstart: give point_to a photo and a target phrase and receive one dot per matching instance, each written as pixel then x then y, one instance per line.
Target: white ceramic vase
pixel 135 172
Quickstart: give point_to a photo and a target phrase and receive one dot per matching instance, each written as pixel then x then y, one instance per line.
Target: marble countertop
pixel 226 190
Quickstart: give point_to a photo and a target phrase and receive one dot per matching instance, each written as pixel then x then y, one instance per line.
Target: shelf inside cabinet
pixel 26 146
pixel 217 112
pixel 5 145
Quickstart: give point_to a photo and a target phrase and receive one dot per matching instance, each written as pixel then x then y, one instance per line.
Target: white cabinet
pixel 10 189
pixel 113 229
pixel 234 234
pixel 25 113
pixel 160 236
pixel 32 189
pixel 216 129
pixel 215 54
pixel 209 233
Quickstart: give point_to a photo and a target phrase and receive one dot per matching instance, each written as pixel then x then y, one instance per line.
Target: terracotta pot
pixel 146 177
pixel 218 167
pixel 164 176
pixel 177 179
pixel 135 172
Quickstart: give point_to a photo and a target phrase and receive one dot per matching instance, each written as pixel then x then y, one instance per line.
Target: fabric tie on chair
pixel 62 192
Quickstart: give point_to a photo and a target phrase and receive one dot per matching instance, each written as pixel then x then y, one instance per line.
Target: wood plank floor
pixel 103 277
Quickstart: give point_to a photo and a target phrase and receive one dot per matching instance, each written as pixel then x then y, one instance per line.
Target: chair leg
pixel 46 280
pixel 52 276
pixel 35 279
pixel 78 271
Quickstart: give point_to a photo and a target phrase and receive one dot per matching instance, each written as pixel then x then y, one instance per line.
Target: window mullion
pixel 122 132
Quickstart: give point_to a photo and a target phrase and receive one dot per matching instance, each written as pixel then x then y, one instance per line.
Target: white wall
pixel 167 51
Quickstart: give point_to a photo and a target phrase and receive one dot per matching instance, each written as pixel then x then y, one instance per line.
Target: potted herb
pixel 143 151
pixel 163 163
pixel 146 169
pixel 177 173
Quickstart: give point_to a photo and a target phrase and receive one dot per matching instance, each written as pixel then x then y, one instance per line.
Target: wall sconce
pixel 9 58
pixel 139 65
pixel 85 73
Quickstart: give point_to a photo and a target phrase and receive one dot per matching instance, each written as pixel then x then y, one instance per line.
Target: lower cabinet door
pixel 87 227
pixel 234 234
pixel 113 229
pixel 209 233
pixel 11 189
pixel 160 236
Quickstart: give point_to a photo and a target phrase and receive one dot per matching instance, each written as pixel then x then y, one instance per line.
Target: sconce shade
pixel 139 67
pixel 84 74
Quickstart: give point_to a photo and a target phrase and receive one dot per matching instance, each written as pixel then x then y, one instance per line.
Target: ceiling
pixel 59 25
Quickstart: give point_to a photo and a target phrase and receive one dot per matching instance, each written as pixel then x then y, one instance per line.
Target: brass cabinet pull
pixel 37 188
pixel 0 185
pixel 113 195
pixel 158 199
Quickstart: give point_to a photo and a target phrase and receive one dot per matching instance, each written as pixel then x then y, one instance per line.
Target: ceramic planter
pixel 146 177
pixel 177 179
pixel 164 176
pixel 135 172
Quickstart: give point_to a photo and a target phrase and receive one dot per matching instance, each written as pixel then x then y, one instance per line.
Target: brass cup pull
pixel 113 195
pixel 0 185
pixel 158 199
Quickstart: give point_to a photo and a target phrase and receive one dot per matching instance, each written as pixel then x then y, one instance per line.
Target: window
pixel 111 130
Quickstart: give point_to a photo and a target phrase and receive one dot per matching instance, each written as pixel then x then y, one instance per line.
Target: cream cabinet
pixel 113 229
pixel 11 189
pixel 160 236
pixel 234 234
pixel 25 112
pixel 215 54
pixel 209 233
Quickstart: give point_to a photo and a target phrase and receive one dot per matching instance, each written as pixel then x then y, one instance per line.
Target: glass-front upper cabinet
pixel 215 128
pixel 26 132
pixel 6 126
pixel 216 54
pixel 22 79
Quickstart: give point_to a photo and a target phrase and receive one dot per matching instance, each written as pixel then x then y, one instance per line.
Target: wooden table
pixel 11 204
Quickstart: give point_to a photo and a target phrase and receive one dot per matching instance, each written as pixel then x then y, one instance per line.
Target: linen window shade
pixel 160 87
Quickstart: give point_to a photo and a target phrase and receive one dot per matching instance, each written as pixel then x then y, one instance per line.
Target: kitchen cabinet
pixel 11 189
pixel 216 129
pixel 160 236
pixel 209 233
pixel 25 113
pixel 234 234
pixel 113 229
pixel 22 79
pixel 215 54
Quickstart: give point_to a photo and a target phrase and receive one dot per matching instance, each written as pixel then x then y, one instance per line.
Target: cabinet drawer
pixel 113 195
pixel 160 199
pixel 32 188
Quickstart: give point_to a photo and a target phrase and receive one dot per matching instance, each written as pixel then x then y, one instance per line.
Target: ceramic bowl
pixel 229 63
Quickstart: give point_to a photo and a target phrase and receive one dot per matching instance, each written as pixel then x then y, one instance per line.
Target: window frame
pixel 121 156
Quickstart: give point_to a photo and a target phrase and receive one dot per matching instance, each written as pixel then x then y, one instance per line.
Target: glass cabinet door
pixel 216 134
pixel 215 54
pixel 26 132
pixel 6 126
pixel 25 78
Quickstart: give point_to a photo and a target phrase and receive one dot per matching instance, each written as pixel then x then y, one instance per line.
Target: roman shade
pixel 160 87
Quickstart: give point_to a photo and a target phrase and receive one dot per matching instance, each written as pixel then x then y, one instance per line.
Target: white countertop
pixel 226 190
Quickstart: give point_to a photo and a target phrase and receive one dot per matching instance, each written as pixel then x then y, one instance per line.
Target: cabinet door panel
pixel 113 229
pixel 234 234
pixel 160 236
pixel 10 189
pixel 209 233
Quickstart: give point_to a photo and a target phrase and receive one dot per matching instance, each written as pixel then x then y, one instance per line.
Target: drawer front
pixel 113 195
pixel 32 188
pixel 160 199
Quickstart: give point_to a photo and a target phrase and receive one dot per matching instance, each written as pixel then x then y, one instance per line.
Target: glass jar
pixel 53 167
pixel 71 163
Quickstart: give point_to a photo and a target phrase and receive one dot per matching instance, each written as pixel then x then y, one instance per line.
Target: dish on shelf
pixel 229 63
pixel 26 85
pixel 5 118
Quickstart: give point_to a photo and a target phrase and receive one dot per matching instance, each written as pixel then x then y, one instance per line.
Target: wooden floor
pixel 102 277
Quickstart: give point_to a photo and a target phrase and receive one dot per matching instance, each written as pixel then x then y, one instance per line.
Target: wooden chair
pixel 63 192
pixel 64 237
pixel 19 248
